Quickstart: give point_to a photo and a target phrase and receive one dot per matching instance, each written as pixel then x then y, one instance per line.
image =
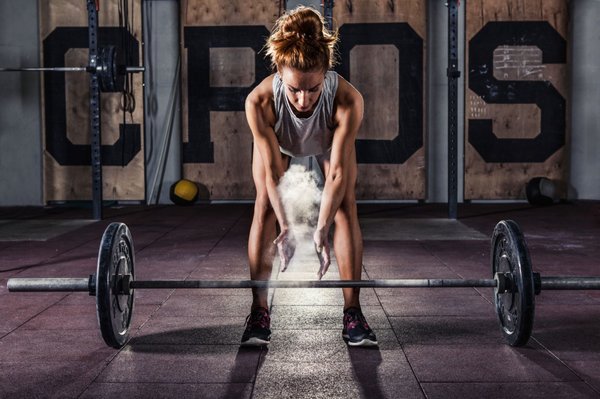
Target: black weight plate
pixel 109 61
pixel 516 307
pixel 114 308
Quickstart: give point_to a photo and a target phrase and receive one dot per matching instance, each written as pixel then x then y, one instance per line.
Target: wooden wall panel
pixel 217 141
pixel 220 65
pixel 516 82
pixel 387 65
pixel 67 174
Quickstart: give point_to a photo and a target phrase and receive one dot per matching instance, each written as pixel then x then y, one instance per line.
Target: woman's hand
pixel 286 246
pixel 323 251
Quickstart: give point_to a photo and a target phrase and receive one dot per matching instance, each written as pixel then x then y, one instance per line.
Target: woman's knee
pixel 347 212
pixel 262 207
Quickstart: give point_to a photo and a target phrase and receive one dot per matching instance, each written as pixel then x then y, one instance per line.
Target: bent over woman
pixel 305 109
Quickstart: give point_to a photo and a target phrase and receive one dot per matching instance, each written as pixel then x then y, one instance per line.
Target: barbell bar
pixel 114 285
pixel 87 285
pixel 91 69
pixel 109 68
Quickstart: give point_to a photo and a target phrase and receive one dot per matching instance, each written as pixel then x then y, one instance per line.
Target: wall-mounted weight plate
pixel 111 78
pixel 114 305
pixel 516 306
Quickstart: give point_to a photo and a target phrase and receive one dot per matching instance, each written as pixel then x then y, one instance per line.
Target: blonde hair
pixel 301 41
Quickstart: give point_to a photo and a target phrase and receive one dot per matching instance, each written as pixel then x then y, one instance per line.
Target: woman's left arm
pixel 349 108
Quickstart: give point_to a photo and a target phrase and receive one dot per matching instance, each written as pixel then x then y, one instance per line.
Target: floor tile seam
pixel 152 313
pixel 398 341
pixel 132 344
pixel 574 303
pixel 339 347
pixel 474 317
pixel 274 307
pixel 446 315
pixel 216 244
pixel 172 292
pixel 259 363
pixel 502 381
pixel 151 243
pixel 219 316
pixel 480 343
pixel 413 294
pixel 50 362
pixel 170 383
pixel 321 329
pixel 107 361
pixel 93 380
pixel 47 261
pixel 497 344
pixel 322 361
pixel 322 305
pixel 33 317
pixel 564 363
pixel 183 222
pixel 95 329
pixel 443 261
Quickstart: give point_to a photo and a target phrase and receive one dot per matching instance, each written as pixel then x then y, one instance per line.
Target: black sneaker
pixel 258 330
pixel 356 329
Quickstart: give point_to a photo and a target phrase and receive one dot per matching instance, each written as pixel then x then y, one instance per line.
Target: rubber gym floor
pixel 433 342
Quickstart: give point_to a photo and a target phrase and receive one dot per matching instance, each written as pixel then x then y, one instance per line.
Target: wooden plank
pixel 514 63
pixel 73 182
pixel 414 12
pixel 376 66
pixel 374 72
pixel 228 175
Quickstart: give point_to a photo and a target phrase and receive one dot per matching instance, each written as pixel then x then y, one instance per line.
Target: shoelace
pixel 258 318
pixel 352 319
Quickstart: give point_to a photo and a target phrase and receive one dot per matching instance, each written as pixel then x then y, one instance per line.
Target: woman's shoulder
pixel 263 92
pixel 347 94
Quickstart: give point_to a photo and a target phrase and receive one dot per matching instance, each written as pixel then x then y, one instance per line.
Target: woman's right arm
pixel 261 119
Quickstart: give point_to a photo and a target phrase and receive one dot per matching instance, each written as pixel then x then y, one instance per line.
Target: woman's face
pixel 302 89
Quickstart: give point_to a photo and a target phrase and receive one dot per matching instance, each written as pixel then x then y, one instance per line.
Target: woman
pixel 305 109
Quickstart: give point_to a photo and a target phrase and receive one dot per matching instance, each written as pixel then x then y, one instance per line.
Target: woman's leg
pixel 347 238
pixel 348 248
pixel 261 250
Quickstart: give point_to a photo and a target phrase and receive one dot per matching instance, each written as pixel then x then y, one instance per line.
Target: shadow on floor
pixel 365 363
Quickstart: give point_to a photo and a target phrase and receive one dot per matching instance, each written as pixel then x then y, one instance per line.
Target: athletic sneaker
pixel 258 330
pixel 356 329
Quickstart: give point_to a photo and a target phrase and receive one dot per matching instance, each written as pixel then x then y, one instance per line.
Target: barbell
pixel 110 69
pixel 514 282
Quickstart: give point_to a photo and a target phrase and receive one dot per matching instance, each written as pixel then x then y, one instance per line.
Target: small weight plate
pixel 516 307
pixel 109 62
pixel 114 307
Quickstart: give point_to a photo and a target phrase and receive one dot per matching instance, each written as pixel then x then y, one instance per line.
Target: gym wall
pixel 382 53
pixel 516 97
pixel 221 64
pixel 573 164
pixel 66 101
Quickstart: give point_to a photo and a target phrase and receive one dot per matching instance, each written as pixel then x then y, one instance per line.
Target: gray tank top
pixel 301 137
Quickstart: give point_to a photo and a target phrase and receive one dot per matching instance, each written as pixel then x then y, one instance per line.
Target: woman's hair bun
pixel 300 40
